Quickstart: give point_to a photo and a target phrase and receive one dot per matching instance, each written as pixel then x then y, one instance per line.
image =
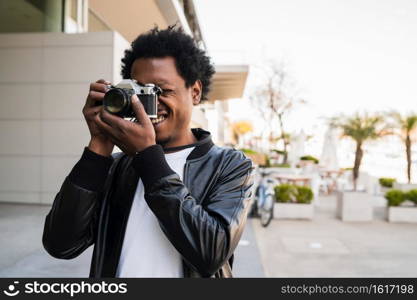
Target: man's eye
pixel 166 92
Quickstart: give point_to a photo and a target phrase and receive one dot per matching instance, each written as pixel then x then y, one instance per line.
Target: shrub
pixel 248 151
pixel 304 194
pixel 412 196
pixel 285 193
pixel 309 157
pixel 280 166
pixel 386 182
pixel 282 152
pixel 395 197
pixel 289 193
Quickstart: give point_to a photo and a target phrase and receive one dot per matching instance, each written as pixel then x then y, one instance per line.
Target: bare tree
pixel 274 99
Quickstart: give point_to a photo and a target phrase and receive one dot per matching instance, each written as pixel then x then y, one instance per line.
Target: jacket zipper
pixel 185 269
pixel 184 173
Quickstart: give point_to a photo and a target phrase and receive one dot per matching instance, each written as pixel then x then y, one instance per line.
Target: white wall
pixel 199 118
pixel 220 121
pixel 216 121
pixel 44 80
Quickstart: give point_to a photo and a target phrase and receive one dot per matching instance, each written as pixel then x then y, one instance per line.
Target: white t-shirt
pixel 146 251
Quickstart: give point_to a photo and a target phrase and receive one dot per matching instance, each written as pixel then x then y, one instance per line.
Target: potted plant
pixel 402 206
pixel 308 159
pixel 361 128
pixel 386 184
pixel 293 202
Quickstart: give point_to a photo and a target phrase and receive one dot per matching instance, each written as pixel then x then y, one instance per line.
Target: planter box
pixel 404 186
pixel 293 211
pixel 354 206
pixel 384 189
pixel 402 214
pixel 305 163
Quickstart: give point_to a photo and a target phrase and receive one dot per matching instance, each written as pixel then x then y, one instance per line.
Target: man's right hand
pixel 99 142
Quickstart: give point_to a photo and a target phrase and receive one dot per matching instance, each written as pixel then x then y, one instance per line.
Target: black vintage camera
pixel 117 99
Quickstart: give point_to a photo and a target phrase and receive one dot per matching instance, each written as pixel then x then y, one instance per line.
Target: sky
pixel 343 56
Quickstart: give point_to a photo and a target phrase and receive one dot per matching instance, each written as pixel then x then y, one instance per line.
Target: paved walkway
pixel 247 256
pixel 22 254
pixel 324 247
pixel 328 247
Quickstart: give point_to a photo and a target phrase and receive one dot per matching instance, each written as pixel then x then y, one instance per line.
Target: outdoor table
pixel 331 177
pixel 331 173
pixel 293 179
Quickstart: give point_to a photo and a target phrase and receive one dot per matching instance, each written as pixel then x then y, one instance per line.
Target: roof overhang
pixel 132 17
pixel 173 13
pixel 228 82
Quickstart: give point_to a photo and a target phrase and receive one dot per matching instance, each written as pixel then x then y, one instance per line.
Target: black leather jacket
pixel 203 216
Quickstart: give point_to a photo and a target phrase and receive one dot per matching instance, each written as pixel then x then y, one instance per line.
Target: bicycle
pixel 265 198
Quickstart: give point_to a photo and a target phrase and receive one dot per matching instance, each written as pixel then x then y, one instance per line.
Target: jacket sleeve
pixel 205 234
pixel 70 225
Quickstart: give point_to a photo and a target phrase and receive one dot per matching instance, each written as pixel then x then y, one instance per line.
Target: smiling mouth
pixel 162 116
pixel 158 120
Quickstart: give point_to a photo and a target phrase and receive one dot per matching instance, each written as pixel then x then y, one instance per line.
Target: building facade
pixel 50 51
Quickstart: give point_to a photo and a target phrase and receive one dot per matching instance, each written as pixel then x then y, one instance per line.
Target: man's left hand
pixel 130 137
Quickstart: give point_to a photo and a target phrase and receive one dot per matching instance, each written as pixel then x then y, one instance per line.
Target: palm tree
pixel 406 126
pixel 360 128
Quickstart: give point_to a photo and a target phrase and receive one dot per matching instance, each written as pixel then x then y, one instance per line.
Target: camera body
pixel 117 99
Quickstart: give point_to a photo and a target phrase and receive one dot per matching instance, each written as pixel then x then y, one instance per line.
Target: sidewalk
pixel 22 253
pixel 328 247
pixel 247 256
pixel 324 247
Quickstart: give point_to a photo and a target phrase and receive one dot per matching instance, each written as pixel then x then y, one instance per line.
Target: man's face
pixel 176 102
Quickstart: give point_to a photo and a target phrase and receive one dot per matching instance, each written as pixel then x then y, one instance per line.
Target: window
pixel 76 18
pixel 31 15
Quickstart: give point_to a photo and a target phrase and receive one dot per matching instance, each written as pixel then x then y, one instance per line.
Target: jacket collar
pixel 202 146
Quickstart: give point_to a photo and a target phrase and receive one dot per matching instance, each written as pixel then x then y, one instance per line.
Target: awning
pixel 132 17
pixel 228 82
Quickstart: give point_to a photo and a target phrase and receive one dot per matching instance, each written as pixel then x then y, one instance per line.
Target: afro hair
pixel 192 63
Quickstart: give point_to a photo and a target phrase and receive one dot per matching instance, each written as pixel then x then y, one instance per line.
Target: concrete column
pixel 53 15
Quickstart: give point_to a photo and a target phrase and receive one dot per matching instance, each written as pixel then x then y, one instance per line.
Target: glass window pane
pixel 31 15
pixel 73 9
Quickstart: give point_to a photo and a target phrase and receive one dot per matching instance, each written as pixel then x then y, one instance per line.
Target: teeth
pixel 158 120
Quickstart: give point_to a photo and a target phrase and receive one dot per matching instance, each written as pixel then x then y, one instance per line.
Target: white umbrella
pixel 328 157
pixel 297 147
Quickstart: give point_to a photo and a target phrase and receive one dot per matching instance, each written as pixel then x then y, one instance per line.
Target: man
pixel 173 204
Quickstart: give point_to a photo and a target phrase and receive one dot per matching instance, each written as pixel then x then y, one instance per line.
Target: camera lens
pixel 114 101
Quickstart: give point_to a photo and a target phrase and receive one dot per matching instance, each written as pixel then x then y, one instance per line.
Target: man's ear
pixel 196 90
